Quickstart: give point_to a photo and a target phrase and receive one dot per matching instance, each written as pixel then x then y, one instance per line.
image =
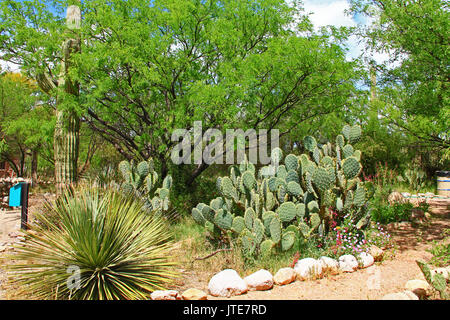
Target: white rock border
pixel 229 282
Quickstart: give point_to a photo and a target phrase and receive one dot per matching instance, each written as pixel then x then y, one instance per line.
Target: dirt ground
pixel 388 276
pixel 373 283
pixel 10 221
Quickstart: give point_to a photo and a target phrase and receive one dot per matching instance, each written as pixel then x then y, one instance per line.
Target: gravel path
pixel 372 283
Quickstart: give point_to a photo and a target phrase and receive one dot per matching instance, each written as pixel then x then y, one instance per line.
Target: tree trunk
pixel 21 162
pixel 34 165
pixel 67 121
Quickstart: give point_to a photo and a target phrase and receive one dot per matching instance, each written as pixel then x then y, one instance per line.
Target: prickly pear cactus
pixel 437 280
pixel 141 181
pixel 331 178
pixel 270 209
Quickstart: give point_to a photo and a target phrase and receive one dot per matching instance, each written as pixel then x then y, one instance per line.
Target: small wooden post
pixel 24 202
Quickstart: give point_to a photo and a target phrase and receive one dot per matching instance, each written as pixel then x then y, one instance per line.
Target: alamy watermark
pixel 211 147
pixel 73 282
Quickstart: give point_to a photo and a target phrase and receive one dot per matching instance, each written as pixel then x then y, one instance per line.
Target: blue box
pixel 15 195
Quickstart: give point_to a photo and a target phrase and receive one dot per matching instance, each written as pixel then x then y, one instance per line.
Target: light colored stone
pixel 284 276
pixel 194 294
pixel 227 283
pixel 417 213
pixel 406 194
pixel 348 263
pixel 420 288
pixel 396 197
pixel 308 268
pixel 365 260
pixel 260 280
pixel 405 295
pixel 411 295
pixel 376 253
pixel 165 295
pixel 329 264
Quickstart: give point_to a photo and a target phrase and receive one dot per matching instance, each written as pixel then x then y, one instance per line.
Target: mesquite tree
pixel 147 68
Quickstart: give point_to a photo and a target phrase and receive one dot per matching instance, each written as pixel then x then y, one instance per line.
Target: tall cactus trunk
pixel 66 141
pixel 66 136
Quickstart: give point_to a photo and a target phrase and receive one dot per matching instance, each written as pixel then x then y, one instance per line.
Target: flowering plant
pixel 348 239
pixel 379 237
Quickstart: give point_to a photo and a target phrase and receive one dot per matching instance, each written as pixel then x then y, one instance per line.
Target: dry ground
pixel 388 276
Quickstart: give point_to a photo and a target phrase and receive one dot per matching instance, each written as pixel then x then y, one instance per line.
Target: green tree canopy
pixel 26 127
pixel 414 86
pixel 147 68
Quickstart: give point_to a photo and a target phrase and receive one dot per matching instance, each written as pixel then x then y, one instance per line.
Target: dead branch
pixel 211 254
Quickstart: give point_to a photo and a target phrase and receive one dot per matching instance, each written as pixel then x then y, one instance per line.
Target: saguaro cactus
pixel 67 122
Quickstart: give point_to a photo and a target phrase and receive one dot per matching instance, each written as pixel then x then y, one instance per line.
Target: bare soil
pixel 388 276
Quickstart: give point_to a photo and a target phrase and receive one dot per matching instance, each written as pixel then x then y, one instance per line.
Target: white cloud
pixel 331 12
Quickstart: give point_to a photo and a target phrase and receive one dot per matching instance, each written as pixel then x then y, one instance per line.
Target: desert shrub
pixel 105 176
pixel 441 251
pixel 416 180
pixel 378 236
pixel 347 238
pixel 184 197
pixel 383 181
pixel 441 254
pixel 392 213
pixel 120 251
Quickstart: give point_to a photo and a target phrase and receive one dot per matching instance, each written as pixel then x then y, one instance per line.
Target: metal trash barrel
pixel 443 183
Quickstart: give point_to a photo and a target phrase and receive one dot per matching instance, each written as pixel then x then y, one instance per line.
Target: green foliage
pixel 120 252
pixel 416 178
pixel 392 213
pixel 441 251
pixel 186 67
pixel 286 204
pixel 141 181
pixel 436 281
pixel 24 125
pixel 415 87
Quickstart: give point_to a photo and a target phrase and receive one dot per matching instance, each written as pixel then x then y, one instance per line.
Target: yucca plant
pixel 119 252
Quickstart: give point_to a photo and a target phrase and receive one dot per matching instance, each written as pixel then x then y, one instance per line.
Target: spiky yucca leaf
pixel 121 252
